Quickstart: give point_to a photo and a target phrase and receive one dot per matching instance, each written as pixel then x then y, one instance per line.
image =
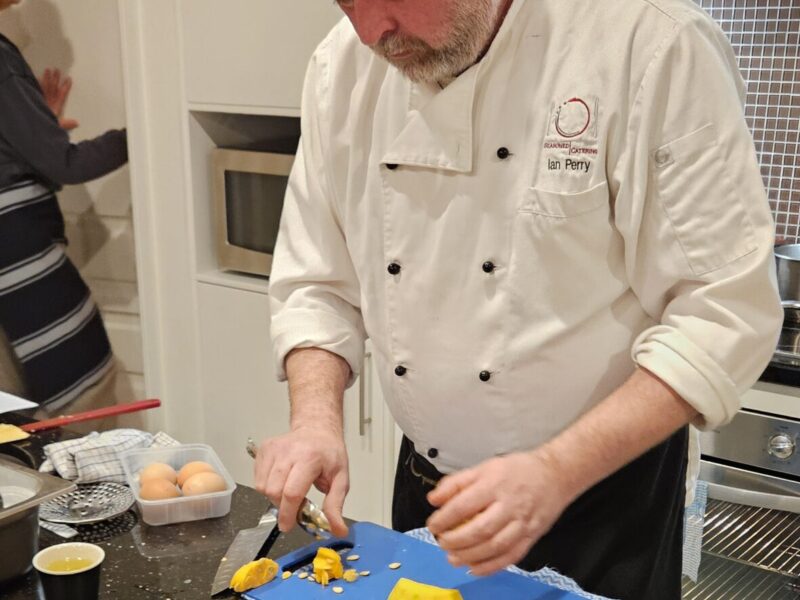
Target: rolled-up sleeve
pixel 314 290
pixel 691 206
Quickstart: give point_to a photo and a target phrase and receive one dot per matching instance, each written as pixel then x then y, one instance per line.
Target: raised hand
pixel 56 91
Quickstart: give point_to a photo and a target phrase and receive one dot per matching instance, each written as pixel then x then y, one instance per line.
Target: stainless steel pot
pixel 787 261
pixel 22 490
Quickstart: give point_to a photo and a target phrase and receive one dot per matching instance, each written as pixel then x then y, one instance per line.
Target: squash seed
pixel 350 575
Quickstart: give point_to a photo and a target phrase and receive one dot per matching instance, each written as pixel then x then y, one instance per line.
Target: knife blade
pixel 248 545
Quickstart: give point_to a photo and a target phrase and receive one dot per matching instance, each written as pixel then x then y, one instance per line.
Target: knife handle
pixel 310 518
pixel 90 415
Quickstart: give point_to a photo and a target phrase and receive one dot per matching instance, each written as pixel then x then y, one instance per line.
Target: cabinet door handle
pixel 363 420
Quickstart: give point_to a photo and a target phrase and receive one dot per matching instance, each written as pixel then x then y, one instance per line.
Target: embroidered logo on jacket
pixel 571 142
pixel 573 118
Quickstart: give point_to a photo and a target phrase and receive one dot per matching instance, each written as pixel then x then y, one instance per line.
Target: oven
pixel 751 535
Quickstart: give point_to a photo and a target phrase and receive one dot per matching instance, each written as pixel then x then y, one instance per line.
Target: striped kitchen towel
pixel 95 457
pixel 545 576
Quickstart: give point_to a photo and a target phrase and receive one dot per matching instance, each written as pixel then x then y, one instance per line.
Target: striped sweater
pixel 46 310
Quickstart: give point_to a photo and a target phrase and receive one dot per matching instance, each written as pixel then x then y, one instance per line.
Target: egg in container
pixel 185 507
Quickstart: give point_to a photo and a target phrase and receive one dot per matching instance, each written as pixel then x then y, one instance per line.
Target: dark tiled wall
pixel 766 37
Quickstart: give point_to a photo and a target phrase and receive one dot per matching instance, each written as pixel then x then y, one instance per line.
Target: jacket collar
pixel 438 129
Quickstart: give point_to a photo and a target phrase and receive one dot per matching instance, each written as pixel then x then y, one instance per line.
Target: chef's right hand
pixel 287 466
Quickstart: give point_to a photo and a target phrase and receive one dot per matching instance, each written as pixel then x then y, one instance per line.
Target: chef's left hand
pixel 509 502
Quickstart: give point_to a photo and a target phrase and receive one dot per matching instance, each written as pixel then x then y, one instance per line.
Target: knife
pixel 248 545
pixel 256 542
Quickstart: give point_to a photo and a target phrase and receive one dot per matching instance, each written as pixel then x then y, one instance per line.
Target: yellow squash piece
pixel 12 433
pixel 405 589
pixel 327 566
pixel 254 574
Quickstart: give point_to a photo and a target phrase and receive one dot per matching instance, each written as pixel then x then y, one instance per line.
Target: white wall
pixel 82 38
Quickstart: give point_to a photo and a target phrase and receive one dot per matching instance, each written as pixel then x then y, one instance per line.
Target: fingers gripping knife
pixel 250 544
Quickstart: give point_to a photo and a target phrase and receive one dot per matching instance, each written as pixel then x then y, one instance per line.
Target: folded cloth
pixel 95 457
pixel 545 576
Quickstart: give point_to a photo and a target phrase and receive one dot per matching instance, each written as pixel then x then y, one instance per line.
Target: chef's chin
pixel 423 69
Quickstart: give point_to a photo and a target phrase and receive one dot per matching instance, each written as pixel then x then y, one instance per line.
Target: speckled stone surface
pixel 176 562
pixel 171 562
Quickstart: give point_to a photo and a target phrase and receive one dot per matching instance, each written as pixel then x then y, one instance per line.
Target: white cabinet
pixel 241 399
pixel 251 52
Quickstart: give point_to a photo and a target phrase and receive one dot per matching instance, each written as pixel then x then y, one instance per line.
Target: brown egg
pixel 158 489
pixel 192 468
pixel 204 482
pixel 158 471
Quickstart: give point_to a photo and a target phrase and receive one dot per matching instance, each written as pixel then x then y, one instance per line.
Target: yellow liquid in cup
pixel 67 565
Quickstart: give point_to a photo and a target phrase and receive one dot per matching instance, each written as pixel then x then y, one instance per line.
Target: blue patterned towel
pixel 545 576
pixel 693 524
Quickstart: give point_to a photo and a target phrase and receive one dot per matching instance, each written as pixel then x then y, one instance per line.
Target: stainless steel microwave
pixel 248 191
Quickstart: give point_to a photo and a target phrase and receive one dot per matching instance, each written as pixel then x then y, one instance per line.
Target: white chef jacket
pixel 583 200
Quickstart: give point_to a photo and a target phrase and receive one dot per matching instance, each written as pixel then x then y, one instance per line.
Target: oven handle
pixel 740 486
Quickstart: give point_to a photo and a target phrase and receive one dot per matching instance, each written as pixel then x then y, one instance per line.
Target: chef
pixel 549 219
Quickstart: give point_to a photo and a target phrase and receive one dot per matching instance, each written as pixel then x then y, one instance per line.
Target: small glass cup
pixel 62 581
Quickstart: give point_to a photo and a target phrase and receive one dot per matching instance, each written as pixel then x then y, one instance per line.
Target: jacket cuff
pixel 690 372
pixel 312 329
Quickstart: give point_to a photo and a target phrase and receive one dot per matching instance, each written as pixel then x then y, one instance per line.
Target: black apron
pixel 46 310
pixel 622 539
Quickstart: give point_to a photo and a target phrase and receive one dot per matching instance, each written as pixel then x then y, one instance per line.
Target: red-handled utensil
pixel 90 415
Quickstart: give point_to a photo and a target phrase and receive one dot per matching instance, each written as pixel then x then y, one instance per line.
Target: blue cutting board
pixel 420 561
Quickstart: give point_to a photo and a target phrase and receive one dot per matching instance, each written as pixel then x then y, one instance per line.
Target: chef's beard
pixel 473 26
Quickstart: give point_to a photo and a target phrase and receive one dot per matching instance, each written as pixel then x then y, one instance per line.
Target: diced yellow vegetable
pixel 12 433
pixel 350 575
pixel 327 566
pixel 254 574
pixel 405 589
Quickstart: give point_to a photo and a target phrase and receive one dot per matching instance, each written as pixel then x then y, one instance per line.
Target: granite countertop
pixel 175 562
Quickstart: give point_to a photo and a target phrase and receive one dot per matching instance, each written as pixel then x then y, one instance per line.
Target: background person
pixel 56 348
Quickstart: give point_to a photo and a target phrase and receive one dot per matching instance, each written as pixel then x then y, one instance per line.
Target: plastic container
pixel 185 508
